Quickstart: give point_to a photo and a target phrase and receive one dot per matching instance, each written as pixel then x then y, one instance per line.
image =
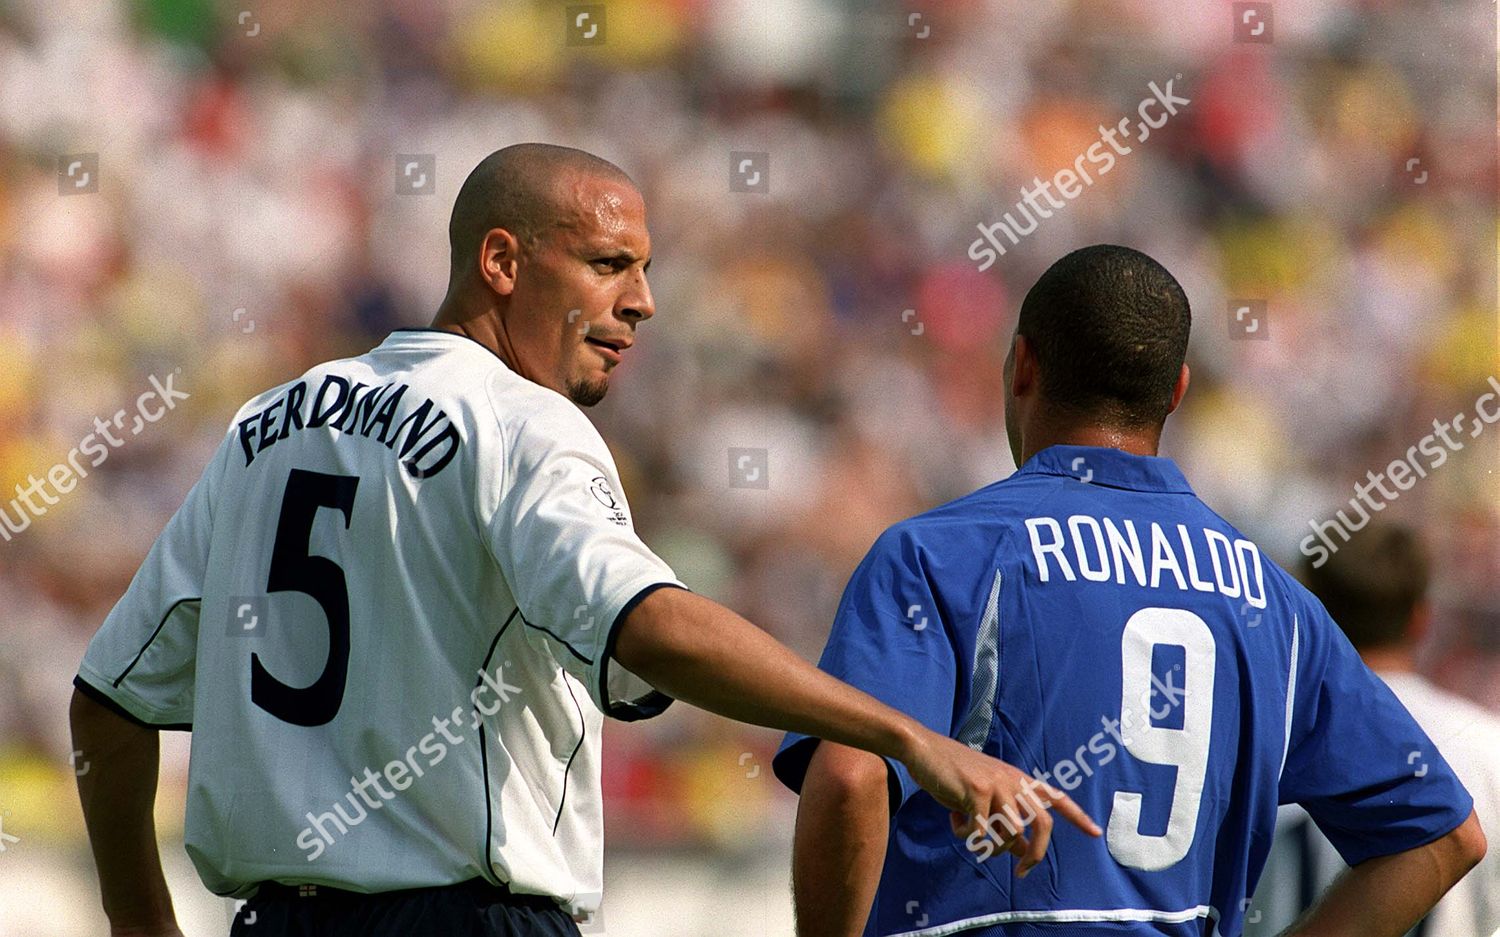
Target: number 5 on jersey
pixel 295 569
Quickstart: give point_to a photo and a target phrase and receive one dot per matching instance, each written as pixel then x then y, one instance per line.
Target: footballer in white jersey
pixel 385 611
pixel 400 601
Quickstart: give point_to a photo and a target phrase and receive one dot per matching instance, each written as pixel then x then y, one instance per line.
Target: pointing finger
pixel 1074 814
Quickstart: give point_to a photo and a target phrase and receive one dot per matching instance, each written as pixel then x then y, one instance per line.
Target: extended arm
pixel 706 655
pixel 118 791
pixel 1388 895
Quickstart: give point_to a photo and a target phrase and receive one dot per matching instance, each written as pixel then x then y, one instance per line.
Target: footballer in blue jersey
pixel 1090 621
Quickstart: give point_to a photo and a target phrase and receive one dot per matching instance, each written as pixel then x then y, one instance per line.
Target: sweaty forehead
pixel 596 208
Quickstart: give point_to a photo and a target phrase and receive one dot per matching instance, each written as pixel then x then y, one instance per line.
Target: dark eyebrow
pixel 623 253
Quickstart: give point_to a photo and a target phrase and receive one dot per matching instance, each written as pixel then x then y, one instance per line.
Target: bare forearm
pixel 1374 898
pixel 1387 896
pixel 842 825
pixel 706 655
pixel 702 653
pixel 118 792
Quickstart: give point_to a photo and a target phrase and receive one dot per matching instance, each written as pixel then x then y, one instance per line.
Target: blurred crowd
pixel 248 220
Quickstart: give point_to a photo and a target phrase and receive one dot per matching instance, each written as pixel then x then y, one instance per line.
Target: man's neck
pixel 484 329
pixel 1133 441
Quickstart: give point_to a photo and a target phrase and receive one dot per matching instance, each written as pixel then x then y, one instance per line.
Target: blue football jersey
pixel 1093 623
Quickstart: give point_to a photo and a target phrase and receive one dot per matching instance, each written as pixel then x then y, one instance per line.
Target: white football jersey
pixel 387 613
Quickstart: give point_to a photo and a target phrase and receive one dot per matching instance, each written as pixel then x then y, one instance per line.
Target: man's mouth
pixel 609 347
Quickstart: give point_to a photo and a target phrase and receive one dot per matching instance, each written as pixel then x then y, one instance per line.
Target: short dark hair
pixel 1372 584
pixel 1109 327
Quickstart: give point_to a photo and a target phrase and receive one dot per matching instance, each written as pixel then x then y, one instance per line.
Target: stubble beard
pixel 586 393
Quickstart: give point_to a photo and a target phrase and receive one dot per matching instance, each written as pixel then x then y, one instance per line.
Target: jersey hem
pixel 115 706
pixel 1070 916
pixel 1384 848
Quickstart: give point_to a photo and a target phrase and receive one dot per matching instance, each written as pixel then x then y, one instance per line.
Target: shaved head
pixel 548 255
pixel 520 188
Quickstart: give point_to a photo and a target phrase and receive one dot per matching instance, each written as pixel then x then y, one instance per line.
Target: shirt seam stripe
pixel 484 762
pixel 987 657
pixel 550 634
pixel 583 723
pixel 142 652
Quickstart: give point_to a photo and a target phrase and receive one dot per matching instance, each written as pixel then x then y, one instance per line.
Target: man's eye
pixel 605 265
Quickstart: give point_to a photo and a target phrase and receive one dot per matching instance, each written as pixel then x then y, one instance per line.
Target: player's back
pixel 352 654
pixel 1095 624
pixel 350 592
pixel 345 497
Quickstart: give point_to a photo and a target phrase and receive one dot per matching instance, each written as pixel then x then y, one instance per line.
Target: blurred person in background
pixel 1375 587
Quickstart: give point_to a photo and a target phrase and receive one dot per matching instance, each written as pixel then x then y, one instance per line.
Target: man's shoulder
pixel 995 509
pixel 385 363
pixel 425 378
pixel 968 528
pixel 1004 501
pixel 532 415
pixel 457 373
pixel 482 392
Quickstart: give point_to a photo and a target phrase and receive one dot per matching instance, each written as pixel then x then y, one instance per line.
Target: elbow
pixel 850 775
pixel 1469 843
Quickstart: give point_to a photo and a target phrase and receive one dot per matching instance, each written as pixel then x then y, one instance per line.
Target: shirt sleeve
pixel 563 537
pixel 1356 760
pixel 142 661
pixel 889 641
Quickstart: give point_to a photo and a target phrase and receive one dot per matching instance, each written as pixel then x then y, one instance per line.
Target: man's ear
pixel 499 256
pixel 1023 368
pixel 1180 390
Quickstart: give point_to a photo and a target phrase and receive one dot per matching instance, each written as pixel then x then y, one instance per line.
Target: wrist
pixel 909 742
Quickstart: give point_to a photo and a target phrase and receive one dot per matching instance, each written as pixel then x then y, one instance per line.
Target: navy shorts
pixel 472 909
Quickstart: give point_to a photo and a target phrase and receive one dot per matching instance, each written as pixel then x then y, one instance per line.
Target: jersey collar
pixel 434 339
pixel 1110 467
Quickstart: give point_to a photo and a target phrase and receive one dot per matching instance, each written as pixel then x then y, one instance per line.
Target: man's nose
pixel 636 302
